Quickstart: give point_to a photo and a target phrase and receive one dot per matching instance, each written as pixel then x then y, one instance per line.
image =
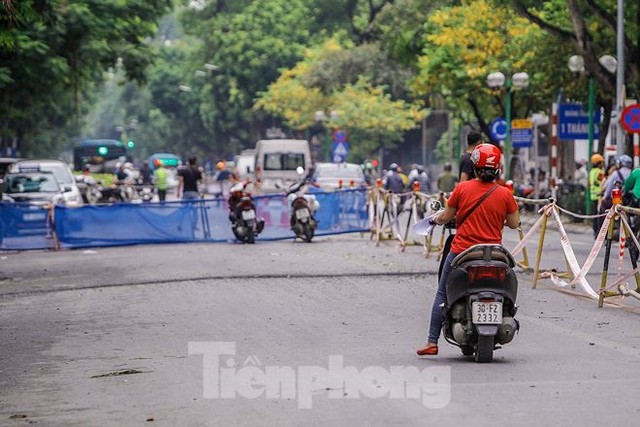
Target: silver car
pixel 334 176
pixel 62 172
pixel 35 188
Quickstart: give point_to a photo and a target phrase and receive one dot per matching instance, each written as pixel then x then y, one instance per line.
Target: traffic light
pixel 103 151
pixel 130 144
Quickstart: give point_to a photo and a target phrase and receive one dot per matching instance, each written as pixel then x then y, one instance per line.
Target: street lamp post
pixel 576 65
pixel 517 81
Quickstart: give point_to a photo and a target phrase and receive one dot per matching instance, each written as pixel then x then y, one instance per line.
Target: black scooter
pixel 481 295
pixel 244 222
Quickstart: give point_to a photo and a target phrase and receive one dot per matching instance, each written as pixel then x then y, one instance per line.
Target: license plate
pixel 302 213
pixel 487 313
pixel 40 216
pixel 247 215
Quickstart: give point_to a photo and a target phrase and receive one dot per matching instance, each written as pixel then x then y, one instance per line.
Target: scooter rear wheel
pixel 484 350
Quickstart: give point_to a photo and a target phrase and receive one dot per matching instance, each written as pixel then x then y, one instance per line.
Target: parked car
pixel 332 176
pixel 62 172
pixel 5 162
pixel 35 188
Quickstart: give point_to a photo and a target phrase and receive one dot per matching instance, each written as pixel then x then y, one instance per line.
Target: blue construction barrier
pixel 201 220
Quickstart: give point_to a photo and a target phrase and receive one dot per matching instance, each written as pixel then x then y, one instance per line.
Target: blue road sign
pixel 521 138
pixel 339 136
pixel 340 151
pixel 573 122
pixel 498 129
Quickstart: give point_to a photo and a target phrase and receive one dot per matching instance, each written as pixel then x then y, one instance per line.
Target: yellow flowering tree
pixel 465 43
pixel 365 110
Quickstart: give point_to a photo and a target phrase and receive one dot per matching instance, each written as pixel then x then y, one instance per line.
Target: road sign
pixel 631 118
pixel 339 136
pixel 498 129
pixel 521 133
pixel 340 151
pixel 573 122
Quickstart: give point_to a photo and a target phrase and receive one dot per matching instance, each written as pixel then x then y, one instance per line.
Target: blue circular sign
pixel 498 129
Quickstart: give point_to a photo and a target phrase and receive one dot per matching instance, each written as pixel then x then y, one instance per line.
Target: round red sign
pixel 630 119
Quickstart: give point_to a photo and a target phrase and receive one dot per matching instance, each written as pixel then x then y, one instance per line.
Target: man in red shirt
pixel 475 224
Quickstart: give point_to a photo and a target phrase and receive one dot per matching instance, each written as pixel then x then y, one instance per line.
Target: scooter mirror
pixel 436 205
pixel 300 170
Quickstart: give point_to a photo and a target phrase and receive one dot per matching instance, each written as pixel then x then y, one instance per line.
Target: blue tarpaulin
pixel 201 220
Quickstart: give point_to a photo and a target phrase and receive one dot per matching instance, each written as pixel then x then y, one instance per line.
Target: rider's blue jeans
pixel 441 298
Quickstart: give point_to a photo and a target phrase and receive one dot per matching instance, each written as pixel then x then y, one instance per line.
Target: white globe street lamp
pixel 517 81
pixel 576 65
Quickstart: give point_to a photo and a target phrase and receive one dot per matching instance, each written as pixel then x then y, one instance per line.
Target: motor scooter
pixel 481 298
pixel 302 207
pixel 242 214
pixel 144 191
pixel 481 301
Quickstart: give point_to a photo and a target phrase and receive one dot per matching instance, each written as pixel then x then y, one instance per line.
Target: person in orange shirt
pixel 475 224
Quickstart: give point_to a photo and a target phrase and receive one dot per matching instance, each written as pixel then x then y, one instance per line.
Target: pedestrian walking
pixel 596 177
pixel 446 180
pixel 190 177
pixel 160 180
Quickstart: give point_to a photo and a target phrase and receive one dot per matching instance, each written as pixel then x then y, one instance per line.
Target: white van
pixel 277 160
pixel 245 164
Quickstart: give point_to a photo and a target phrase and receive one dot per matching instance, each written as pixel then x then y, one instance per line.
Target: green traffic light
pixel 131 144
pixel 103 150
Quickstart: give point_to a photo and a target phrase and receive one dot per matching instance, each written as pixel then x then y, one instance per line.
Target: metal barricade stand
pixel 620 214
pixel 51 226
pixel 549 209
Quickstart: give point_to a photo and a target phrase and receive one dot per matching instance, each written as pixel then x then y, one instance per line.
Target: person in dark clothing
pixel 189 178
pixel 465 168
pixel 394 182
pixel 146 174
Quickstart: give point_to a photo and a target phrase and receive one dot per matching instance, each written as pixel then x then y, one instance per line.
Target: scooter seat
pixel 485 253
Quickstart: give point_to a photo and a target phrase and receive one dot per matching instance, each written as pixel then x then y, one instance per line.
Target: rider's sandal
pixel 428 350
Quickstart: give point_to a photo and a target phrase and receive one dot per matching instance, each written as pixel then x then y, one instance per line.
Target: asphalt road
pixel 137 335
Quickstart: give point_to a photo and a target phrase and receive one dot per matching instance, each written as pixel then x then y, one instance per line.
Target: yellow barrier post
pixel 605 268
pixel 543 230
pixel 524 264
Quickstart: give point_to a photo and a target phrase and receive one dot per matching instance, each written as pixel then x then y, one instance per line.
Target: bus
pixel 100 154
pixel 169 160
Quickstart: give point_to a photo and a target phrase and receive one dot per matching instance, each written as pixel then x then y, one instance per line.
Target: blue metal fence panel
pixel 202 220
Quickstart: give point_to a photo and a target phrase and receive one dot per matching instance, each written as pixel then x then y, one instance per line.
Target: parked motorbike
pixel 144 191
pixel 115 193
pixel 481 301
pixel 90 189
pixel 302 207
pixel 242 214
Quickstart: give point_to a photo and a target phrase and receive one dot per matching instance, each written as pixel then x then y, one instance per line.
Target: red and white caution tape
pixel 522 243
pixel 571 257
pixel 602 234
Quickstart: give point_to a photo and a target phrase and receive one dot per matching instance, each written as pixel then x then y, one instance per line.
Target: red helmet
pixel 486 156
